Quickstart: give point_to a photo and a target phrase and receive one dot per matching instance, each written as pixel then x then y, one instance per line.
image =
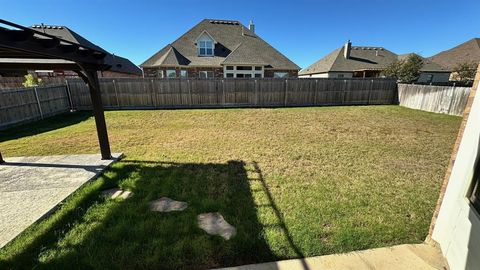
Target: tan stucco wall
pixel 346 75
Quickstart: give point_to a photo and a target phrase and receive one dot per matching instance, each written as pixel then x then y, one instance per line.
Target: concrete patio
pixel 31 187
pixel 402 257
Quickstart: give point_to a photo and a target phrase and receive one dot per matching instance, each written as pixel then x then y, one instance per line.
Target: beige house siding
pixel 457 226
pixel 328 75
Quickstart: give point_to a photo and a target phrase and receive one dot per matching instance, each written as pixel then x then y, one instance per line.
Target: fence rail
pixel 141 93
pixel 439 99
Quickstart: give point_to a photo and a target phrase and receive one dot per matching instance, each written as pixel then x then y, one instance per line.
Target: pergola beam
pixel 25 48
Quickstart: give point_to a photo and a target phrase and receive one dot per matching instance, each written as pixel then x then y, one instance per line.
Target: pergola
pixel 33 49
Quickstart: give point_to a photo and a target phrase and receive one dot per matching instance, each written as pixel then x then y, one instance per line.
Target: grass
pixel 295 182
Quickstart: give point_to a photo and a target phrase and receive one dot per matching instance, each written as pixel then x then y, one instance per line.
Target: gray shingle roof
pixel 119 64
pixel 428 65
pixel 123 65
pixel 66 33
pixel 232 47
pixel 466 52
pixel 361 58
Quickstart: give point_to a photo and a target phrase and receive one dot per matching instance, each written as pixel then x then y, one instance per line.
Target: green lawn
pixel 295 182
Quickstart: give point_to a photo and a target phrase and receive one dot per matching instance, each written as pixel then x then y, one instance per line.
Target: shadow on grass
pixel 98 233
pixel 48 124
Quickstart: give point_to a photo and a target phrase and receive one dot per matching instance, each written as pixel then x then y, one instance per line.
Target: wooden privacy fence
pixel 29 104
pixel 141 93
pixel 439 99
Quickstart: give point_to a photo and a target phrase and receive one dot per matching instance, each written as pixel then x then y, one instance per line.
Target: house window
pixel 229 67
pixel 171 73
pixel 258 75
pixel 258 68
pixel 229 75
pixel 429 78
pixel 340 75
pixel 160 73
pixel 244 68
pixel 183 73
pixel 475 196
pixel 280 75
pixel 205 48
pixel 205 74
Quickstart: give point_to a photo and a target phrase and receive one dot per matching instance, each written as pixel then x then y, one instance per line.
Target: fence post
pixel 154 95
pixel 451 99
pixel 189 93
pixel 116 94
pixel 370 91
pixel 285 98
pixel 224 98
pixel 38 102
pixel 1 158
pixel 315 93
pixel 344 91
pixel 256 93
pixel 69 95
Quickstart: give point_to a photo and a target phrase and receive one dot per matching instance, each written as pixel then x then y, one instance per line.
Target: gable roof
pixel 117 63
pixel 66 33
pixel 466 52
pixel 122 65
pixel 231 37
pixel 428 65
pixel 362 58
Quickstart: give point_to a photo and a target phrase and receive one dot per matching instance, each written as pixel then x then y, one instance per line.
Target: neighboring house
pixel 219 49
pixel 359 61
pixel 121 67
pixel 466 52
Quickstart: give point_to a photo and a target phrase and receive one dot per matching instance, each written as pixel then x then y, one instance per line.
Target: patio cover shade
pixel 25 48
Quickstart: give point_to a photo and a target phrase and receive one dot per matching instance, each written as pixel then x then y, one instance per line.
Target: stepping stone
pixel 165 204
pixel 215 224
pixel 114 193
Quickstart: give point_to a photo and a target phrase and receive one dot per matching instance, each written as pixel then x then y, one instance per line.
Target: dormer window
pixel 205 44
pixel 205 48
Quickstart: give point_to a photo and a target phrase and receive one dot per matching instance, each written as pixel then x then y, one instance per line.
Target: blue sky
pixel 303 30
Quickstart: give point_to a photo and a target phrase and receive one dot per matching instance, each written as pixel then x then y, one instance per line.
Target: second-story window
pixel 205 48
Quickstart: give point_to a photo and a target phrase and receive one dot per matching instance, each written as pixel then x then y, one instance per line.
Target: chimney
pixel 347 48
pixel 251 26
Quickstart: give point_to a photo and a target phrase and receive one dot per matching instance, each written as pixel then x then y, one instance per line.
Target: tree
pixel 393 70
pixel 406 70
pixel 465 72
pixel 31 81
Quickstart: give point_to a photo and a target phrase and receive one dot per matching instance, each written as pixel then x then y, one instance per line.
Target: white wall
pixel 346 75
pixel 457 228
pixel 436 77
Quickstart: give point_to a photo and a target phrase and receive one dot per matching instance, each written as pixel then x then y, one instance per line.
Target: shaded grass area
pixel 295 182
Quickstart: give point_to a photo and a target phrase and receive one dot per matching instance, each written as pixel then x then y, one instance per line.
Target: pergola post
pixel 91 78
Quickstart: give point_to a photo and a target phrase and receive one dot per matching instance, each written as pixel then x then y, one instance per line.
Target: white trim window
pixel 280 75
pixel 243 71
pixel 183 73
pixel 171 73
pixel 205 74
pixel 205 48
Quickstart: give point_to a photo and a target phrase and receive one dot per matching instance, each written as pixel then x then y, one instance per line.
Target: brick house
pixel 360 61
pixel 219 49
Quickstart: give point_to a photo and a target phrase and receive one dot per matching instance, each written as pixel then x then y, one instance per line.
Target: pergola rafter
pixel 32 49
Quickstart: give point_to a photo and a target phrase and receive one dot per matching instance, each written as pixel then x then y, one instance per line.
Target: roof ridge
pixel 231 53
